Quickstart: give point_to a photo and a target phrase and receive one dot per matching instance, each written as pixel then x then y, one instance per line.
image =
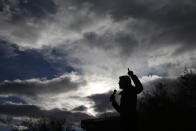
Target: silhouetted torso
pixel 128 101
pixel 128 109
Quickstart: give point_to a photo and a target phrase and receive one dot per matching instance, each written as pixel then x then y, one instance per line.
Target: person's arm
pixel 138 84
pixel 114 103
pixel 116 106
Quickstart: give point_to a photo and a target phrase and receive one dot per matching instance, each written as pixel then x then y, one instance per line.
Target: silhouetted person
pixel 127 107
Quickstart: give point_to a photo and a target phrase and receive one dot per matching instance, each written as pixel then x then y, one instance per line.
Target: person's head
pixel 124 82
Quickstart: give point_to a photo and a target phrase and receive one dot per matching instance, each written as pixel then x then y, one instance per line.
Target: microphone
pixel 114 92
pixel 113 95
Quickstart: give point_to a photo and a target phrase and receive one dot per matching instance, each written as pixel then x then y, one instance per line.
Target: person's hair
pixel 126 80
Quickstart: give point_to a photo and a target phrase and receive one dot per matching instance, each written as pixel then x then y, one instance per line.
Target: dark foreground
pixel 175 121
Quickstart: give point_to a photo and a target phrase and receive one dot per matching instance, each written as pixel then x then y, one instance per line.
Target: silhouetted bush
pixel 178 95
pixel 170 105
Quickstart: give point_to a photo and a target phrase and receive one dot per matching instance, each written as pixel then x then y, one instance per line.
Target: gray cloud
pixel 34 87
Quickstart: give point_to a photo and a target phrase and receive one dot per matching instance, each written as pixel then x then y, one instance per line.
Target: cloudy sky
pixel 66 55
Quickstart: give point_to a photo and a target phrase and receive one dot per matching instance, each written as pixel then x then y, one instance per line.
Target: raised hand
pixel 130 73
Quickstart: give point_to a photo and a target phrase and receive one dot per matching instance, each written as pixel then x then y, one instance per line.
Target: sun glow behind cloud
pixel 99 86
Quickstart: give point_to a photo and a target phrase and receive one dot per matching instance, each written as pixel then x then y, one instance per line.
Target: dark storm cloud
pixel 117 8
pixel 2 121
pixel 34 87
pixel 12 99
pixel 7 50
pixel 34 111
pixel 21 21
pixel 20 110
pixel 101 101
pixel 172 22
pixel 125 42
pixel 28 8
pixel 165 12
pixel 80 108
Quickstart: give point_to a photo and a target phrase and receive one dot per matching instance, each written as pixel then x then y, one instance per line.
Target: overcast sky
pixel 65 54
